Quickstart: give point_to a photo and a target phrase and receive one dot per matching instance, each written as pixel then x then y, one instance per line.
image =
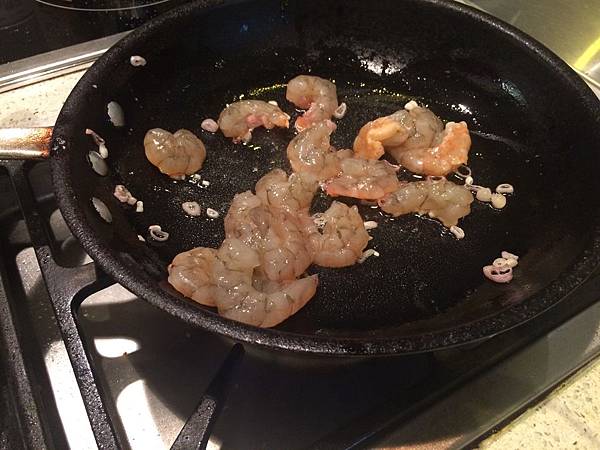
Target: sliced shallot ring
pixel 508 255
pixel 505 188
pixel 157 233
pixel 463 171
pixel 498 275
pixel 340 111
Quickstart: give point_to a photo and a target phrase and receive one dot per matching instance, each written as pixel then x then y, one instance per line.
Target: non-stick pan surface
pixel 534 124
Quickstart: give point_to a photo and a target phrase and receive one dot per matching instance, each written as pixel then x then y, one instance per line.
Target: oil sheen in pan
pixel 397 240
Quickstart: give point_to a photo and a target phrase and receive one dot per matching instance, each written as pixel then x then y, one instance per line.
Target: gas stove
pixel 86 364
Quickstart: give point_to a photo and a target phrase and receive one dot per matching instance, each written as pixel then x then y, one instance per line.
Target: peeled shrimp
pixel 375 136
pixel 224 278
pixel 449 151
pixel 417 140
pixel 287 252
pixel 177 154
pixel 239 119
pixel 293 193
pixel 248 305
pixel 365 179
pixel 343 238
pixel 310 151
pixel 317 95
pixel 191 273
pixel 441 199
pixel 276 234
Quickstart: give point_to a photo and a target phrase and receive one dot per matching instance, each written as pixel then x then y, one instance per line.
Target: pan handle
pixel 25 143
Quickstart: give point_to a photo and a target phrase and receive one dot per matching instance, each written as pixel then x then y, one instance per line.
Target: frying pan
pixel 533 122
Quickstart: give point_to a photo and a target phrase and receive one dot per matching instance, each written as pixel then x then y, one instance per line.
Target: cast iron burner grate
pixel 354 403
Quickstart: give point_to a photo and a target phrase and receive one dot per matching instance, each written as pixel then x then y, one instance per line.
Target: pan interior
pixel 525 124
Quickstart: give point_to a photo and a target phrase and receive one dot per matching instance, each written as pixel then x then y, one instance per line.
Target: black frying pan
pixel 534 124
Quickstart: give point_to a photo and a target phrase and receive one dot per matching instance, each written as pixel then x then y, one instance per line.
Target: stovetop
pixel 142 373
pixel 31 27
pixel 76 342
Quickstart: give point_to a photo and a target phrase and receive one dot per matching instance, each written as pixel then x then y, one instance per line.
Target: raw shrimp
pixel 293 193
pixel 365 179
pixel 343 238
pixel 449 151
pixel 276 234
pixel 417 139
pixel 317 95
pixel 239 119
pixel 191 273
pixel 310 151
pixel 177 154
pixel 224 278
pixel 246 304
pixel 287 250
pixel 375 136
pixel 439 198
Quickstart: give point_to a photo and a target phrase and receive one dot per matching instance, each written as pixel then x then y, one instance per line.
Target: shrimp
pixel 191 273
pixel 441 199
pixel 310 151
pixel 375 136
pixel 246 304
pixel 317 95
pixel 417 139
pixel 449 151
pixel 239 119
pixel 364 179
pixel 224 278
pixel 343 239
pixel 177 155
pixel 276 234
pixel 287 251
pixel 247 219
pixel 293 193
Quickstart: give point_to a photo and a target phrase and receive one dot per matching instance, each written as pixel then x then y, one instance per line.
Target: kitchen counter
pixel 568 418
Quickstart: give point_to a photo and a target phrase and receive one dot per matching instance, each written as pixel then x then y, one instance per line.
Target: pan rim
pixel 149 290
